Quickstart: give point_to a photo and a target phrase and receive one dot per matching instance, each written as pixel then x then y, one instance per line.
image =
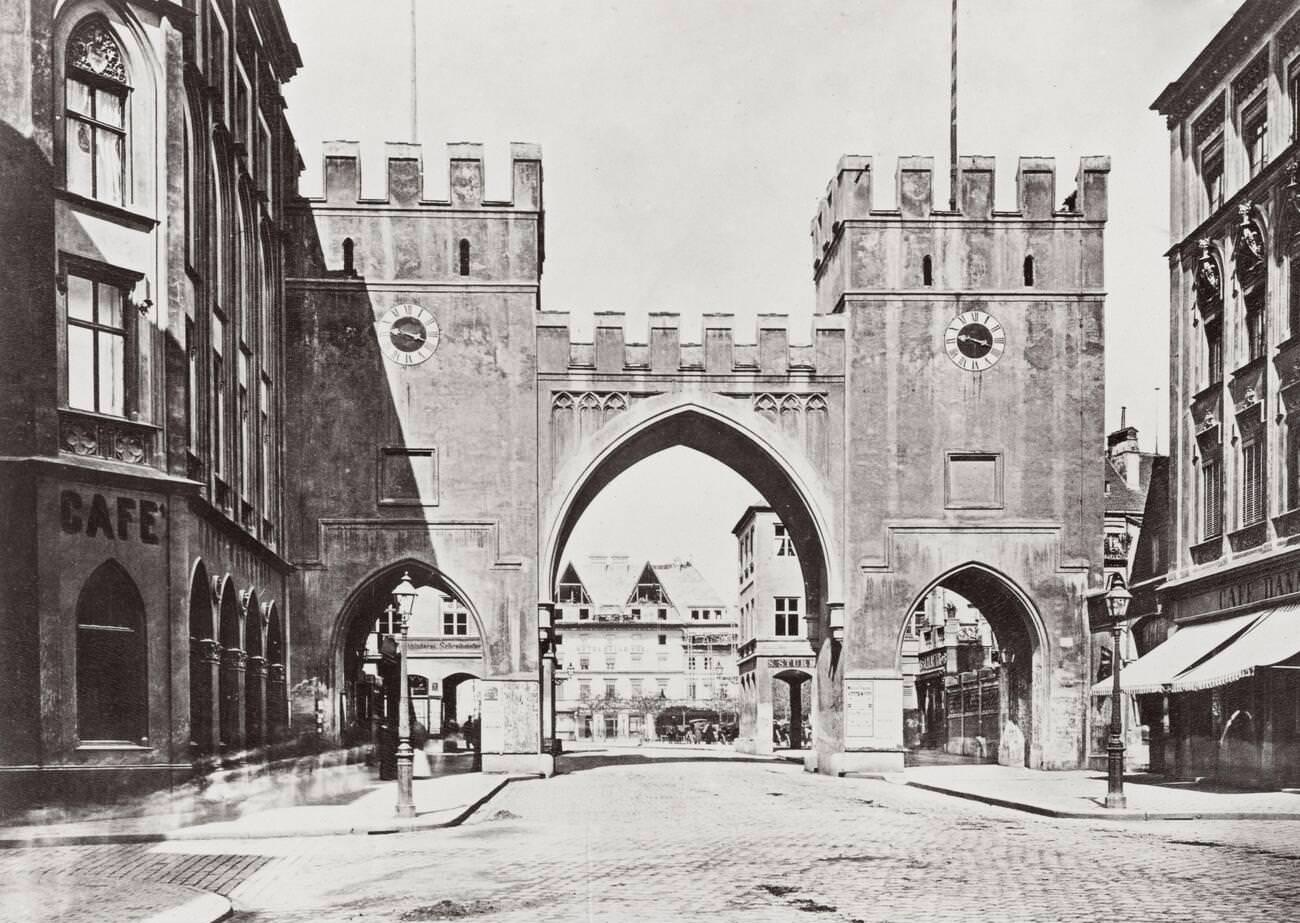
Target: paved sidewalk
pixel 1082 793
pixel 69 899
pixel 442 801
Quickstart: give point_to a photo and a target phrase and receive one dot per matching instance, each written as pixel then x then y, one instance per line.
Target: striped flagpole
pixel 952 114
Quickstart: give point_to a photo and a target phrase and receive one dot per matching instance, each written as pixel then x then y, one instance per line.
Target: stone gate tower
pixel 974 408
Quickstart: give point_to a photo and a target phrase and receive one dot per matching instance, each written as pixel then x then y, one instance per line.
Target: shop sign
pixel 444 645
pixel 935 660
pixel 119 518
pixel 791 663
pixel 1259 589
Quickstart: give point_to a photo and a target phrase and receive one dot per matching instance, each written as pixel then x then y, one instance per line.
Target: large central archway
pixel 756 450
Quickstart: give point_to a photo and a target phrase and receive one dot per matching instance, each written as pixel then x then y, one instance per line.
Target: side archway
pixel 997 710
pixel 365 660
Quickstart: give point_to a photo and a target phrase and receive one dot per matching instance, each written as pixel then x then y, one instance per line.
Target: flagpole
pixel 415 94
pixel 952 116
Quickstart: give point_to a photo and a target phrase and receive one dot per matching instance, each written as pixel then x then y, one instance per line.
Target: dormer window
pixel 95 94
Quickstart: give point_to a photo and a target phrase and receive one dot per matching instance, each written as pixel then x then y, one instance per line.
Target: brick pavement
pixel 626 838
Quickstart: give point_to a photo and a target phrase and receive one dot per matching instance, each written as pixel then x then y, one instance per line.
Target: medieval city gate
pixel 941 425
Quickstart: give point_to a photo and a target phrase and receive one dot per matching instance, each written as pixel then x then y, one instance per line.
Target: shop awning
pixel 1273 638
pixel 1157 667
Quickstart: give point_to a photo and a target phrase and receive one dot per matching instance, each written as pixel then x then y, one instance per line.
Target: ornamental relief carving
pixel 1248 246
pixel 1209 281
pixel 89 437
pixel 93 48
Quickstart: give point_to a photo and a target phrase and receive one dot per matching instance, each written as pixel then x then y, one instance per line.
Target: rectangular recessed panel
pixel 974 480
pixel 407 477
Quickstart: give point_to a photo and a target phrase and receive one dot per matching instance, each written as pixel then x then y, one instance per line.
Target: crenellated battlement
pixel 849 194
pixel 404 168
pixel 613 351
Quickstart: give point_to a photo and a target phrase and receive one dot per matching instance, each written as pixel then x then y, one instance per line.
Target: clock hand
pixel 410 336
pixel 961 337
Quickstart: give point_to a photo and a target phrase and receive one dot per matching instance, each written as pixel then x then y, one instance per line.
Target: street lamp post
pixel 404 598
pixel 1117 600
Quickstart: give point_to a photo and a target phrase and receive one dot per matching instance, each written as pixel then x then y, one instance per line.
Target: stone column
pixel 205 663
pixel 796 714
pixel 232 700
pixel 255 702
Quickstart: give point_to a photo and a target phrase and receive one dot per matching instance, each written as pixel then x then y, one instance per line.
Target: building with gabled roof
pixel 638 640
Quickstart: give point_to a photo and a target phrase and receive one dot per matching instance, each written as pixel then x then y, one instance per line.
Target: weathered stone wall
pixel 432 461
pixel 900 278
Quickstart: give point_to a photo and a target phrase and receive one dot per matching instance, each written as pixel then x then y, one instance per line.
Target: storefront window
pixel 112 662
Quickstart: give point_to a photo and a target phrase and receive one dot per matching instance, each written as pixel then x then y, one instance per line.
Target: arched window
pixel 1029 270
pixel 927 270
pixel 95 94
pixel 112 661
pixel 349 268
pixel 464 257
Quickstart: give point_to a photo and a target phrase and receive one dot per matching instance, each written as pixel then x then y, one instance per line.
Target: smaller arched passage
pixel 366 664
pixel 254 674
pixel 277 698
pixel 792 711
pixel 757 451
pixel 231 702
pixel 995 712
pixel 204 662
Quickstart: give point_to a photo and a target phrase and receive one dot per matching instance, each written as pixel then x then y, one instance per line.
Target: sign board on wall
pixel 873 712
pixel 859 708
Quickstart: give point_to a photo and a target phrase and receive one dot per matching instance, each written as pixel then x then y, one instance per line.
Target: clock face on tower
pixel 974 341
pixel 408 334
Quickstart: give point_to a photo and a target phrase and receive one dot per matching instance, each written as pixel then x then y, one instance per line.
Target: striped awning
pixel 1184 649
pixel 1273 638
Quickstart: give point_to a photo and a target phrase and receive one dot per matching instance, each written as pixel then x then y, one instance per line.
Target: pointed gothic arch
pixel 112 658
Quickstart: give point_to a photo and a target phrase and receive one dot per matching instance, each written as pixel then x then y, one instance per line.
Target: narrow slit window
pixel 1029 270
pixel 464 257
pixel 927 271
pixel 349 267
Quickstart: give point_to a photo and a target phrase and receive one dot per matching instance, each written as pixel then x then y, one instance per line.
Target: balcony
pixel 91 435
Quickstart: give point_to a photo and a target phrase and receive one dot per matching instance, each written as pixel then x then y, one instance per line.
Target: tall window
pixel 1212 174
pixel 787 616
pixel 1256 329
pixel 218 394
pixel 1293 464
pixel 268 487
pixel 1214 351
pixel 784 544
pixel 1211 499
pixel 1253 493
pixel 112 660
pixel 1293 93
pixel 1254 134
pixel 97 345
pixel 463 255
pixel 95 93
pixel 246 466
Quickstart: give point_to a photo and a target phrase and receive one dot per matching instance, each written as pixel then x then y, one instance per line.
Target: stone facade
pixel 1234 467
pixel 143 610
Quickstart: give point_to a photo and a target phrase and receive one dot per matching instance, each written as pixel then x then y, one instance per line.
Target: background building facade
pixel 640 641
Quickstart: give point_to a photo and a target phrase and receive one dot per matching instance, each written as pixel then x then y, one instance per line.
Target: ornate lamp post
pixel 1117 599
pixel 404 599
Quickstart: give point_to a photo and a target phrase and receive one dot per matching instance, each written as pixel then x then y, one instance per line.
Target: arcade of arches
pixel 238 695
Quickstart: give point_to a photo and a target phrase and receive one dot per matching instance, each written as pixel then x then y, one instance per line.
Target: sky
pixel 685 144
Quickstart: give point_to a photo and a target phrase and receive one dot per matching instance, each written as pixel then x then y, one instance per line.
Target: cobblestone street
pixel 621 837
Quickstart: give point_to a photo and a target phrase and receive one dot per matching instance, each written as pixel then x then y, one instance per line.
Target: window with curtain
pixel 95 95
pixel 1253 494
pixel 1211 499
pixel 112 660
